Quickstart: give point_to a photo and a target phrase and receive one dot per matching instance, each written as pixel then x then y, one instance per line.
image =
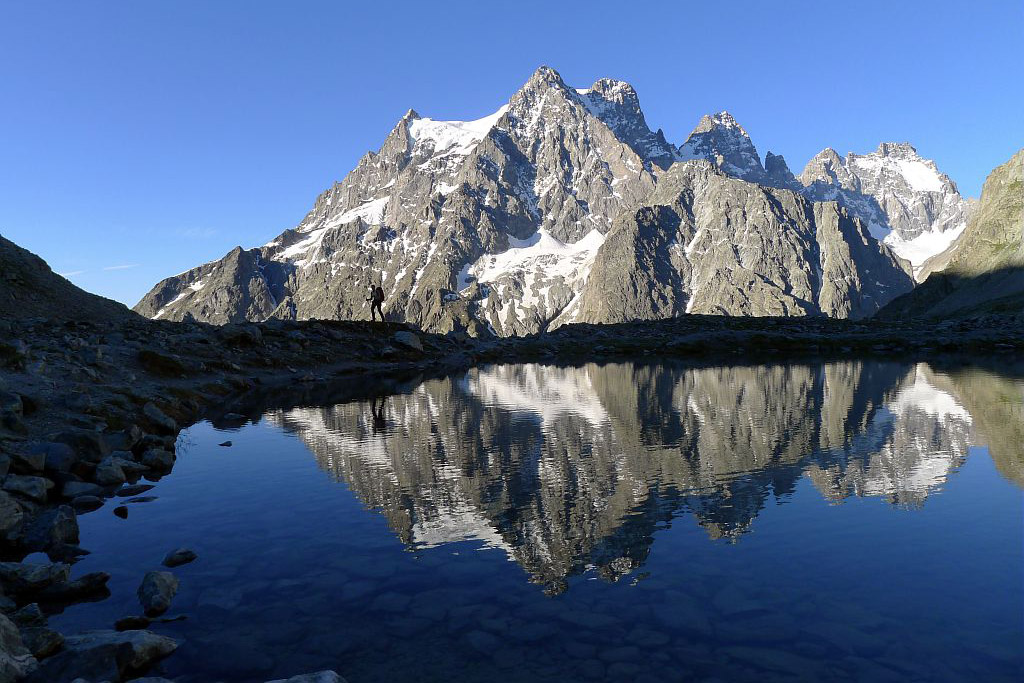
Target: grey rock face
pixel 713 244
pixel 494 225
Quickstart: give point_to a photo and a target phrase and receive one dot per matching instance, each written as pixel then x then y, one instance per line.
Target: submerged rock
pixel 131 623
pixel 179 557
pixel 156 591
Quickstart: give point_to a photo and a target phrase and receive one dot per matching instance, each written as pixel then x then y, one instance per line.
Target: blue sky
pixel 139 139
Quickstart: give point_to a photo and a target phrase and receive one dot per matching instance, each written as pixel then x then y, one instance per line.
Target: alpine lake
pixel 629 521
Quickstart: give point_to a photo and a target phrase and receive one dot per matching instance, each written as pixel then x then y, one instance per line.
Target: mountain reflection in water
pixel 574 468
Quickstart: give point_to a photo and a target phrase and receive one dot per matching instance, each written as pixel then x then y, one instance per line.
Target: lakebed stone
pixel 156 591
pixel 179 557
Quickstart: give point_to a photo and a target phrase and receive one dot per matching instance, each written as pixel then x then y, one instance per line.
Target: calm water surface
pixel 855 521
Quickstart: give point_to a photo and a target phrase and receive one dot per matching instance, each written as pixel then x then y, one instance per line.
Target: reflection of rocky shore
pixel 571 468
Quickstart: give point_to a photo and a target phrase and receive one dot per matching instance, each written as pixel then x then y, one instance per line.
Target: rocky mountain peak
pixel 616 104
pixel 720 139
pixel 903 150
pixel 545 76
pixel 778 172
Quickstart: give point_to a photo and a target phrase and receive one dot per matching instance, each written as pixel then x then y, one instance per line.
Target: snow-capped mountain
pixel 553 207
pixel 906 202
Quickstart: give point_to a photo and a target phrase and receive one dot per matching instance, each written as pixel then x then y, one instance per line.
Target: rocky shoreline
pixel 88 410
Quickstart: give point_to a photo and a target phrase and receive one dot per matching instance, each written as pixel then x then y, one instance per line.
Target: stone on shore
pixel 88 585
pixel 160 419
pixel 109 473
pixel 33 488
pixel 25 577
pixel 179 557
pixel 156 591
pixel 10 516
pixel 105 656
pixel 53 528
pixel 15 658
pixel 158 459
pixel 408 339
pixel 41 641
pixel 74 489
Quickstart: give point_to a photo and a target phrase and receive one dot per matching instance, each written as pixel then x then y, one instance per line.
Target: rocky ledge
pixel 88 410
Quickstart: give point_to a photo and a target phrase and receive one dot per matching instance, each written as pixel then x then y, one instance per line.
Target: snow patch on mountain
pixel 452 137
pixel 539 255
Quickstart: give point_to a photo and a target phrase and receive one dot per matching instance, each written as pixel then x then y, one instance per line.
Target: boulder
pixel 105 656
pixel 57 457
pixel 124 440
pixel 24 577
pixel 109 473
pixel 53 528
pixel 88 585
pixel 74 489
pixel 29 461
pixel 10 516
pixel 156 591
pixel 33 488
pixel 88 444
pixel 164 424
pixel 29 615
pixel 179 557
pixel 15 658
pixel 408 339
pixel 158 459
pixel 41 641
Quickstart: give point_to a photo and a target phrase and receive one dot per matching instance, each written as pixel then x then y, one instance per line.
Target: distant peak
pixel 720 120
pixel 410 115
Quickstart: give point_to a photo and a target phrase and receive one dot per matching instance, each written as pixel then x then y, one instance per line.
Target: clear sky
pixel 139 139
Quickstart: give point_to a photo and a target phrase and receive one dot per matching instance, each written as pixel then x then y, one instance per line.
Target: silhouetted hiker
pixel 379 423
pixel 377 298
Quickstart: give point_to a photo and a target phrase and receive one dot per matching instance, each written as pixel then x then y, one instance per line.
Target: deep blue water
pixel 636 522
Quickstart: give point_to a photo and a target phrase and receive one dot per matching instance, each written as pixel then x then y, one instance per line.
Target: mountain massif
pixel 563 206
